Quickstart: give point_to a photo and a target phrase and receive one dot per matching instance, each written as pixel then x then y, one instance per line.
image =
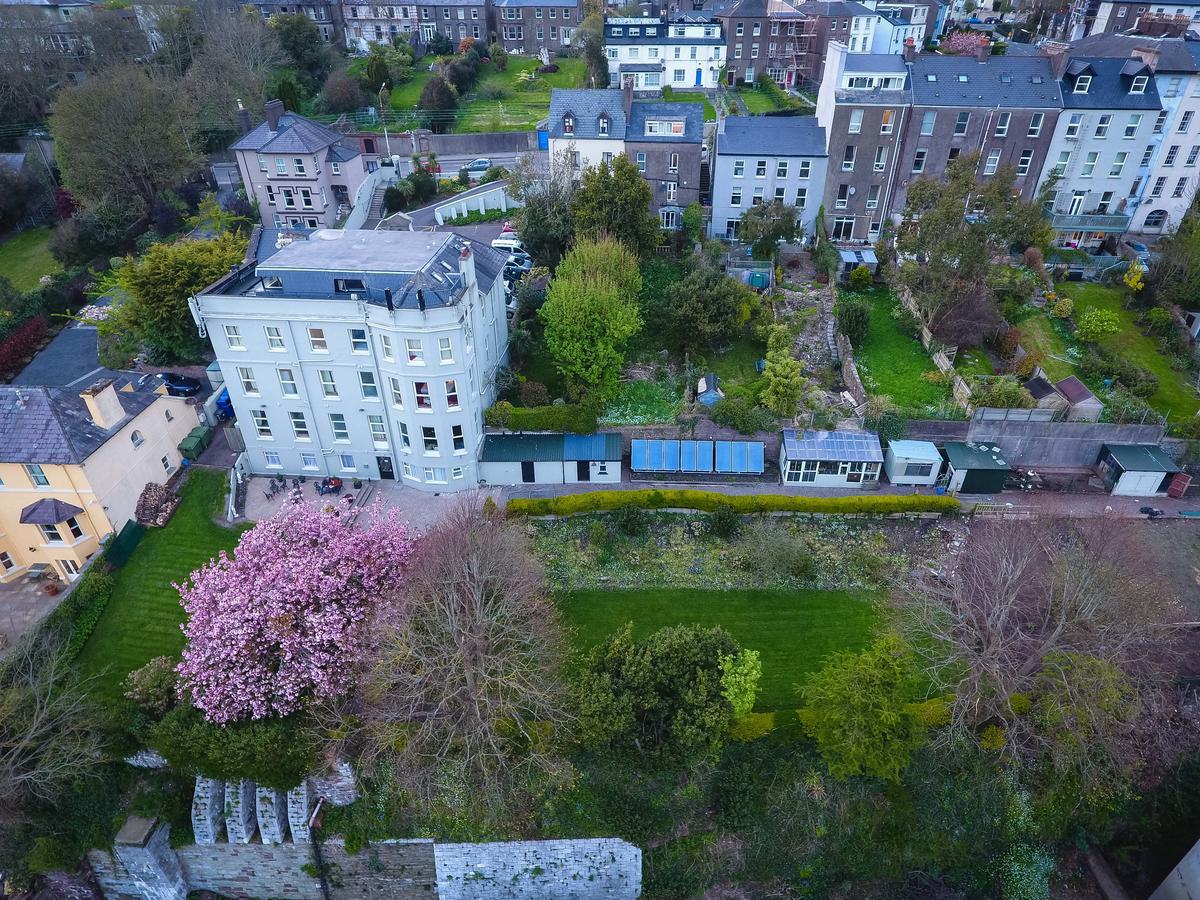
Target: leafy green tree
pixel 590 313
pixel 1096 324
pixel 287 93
pixel 438 99
pixel 783 374
pixel 693 222
pixel 706 308
pixel 662 697
pixel 159 284
pixel 498 56
pixel 122 134
pixel 341 93
pixel 613 199
pixel 376 72
pixel 860 279
pixel 856 710
pixel 590 37
pixel 301 41
pixel 853 314
pixel 740 674
pixel 543 220
pixel 765 225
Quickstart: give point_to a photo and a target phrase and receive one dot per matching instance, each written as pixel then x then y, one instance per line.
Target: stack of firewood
pixel 155 505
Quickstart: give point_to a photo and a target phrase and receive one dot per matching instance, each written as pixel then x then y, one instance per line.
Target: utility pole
pixel 386 141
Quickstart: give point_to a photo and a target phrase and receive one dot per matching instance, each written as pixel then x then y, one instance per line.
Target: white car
pixel 509 241
pixel 519 261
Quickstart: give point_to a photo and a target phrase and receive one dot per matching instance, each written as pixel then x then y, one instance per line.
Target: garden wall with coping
pixel 143 864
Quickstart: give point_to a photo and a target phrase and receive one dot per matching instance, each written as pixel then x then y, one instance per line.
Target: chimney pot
pixel 243 115
pixel 274 109
pixel 984 50
pixel 910 50
pixel 103 405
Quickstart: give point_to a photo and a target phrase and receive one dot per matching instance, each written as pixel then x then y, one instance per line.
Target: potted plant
pixel 358 484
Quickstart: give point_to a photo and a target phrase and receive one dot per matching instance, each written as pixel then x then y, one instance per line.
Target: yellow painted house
pixel 72 466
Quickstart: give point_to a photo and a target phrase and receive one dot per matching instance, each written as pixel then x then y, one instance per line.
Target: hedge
pixel 475 217
pixel 77 616
pixel 707 501
pixel 560 417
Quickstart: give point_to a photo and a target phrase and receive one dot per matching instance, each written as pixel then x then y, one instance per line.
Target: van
pixel 509 241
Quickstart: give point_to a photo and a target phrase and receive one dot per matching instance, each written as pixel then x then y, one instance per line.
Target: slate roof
pixel 739 9
pixel 833 8
pixel 1074 389
pixel 586 105
pixel 1023 81
pixel 1174 54
pixel 772 136
pixel 1141 458
pixel 1110 86
pixel 642 111
pixel 1040 388
pixel 296 134
pixel 51 426
pixel 48 511
pixel 851 446
pixel 875 63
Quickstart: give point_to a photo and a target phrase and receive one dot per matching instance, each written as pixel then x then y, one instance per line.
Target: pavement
pixel 23 605
pixel 70 360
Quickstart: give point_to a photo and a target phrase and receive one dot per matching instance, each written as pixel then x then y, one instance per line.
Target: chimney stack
pixel 984 50
pixel 466 266
pixel 627 89
pixel 274 109
pixel 910 50
pixel 103 405
pixel 243 115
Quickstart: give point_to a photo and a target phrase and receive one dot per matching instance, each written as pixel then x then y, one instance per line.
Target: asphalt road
pixel 451 164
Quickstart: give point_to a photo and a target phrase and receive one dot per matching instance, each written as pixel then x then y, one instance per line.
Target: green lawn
pixel 143 618
pixel 673 96
pixel 1037 333
pixel 892 363
pixel 405 97
pixel 792 630
pixel 1175 394
pixel 504 101
pixel 973 362
pixel 756 101
pixel 736 365
pixel 25 258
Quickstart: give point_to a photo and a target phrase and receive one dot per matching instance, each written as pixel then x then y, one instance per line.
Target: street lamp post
pixel 386 142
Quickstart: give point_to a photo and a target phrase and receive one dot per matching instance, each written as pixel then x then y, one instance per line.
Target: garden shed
pixel 849 459
pixel 1084 405
pixel 550 458
pixel 852 259
pixel 1136 470
pixel 974 468
pixel 912 462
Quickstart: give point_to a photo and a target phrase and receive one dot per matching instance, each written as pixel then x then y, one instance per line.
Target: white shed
pixel 1136 470
pixel 848 459
pixel 912 462
pixel 550 458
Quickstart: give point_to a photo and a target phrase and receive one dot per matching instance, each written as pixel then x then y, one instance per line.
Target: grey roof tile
pixel 1174 54
pixel 586 106
pixel 771 135
pixel 296 134
pixel 999 81
pixel 1109 88
pixel 643 111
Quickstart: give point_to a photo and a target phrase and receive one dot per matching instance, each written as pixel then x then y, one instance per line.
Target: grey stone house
pixel 761 160
pixel 1003 108
pixel 456 19
pixel 528 26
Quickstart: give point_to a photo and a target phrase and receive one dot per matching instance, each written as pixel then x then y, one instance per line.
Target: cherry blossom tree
pixel 287 618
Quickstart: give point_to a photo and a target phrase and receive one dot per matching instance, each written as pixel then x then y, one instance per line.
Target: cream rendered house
pixel 72 466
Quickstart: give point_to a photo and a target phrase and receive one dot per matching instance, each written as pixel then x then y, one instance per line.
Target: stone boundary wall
pixel 143 864
pixel 850 370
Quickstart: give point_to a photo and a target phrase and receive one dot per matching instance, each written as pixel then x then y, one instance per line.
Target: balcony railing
pixel 1090 222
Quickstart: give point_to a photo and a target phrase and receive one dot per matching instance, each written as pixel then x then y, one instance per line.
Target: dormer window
pixel 568 124
pixel 1139 84
pixel 603 126
pixel 1082 83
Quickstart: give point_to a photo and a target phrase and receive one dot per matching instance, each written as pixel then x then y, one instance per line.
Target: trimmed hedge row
pixel 560 417
pixel 707 501
pixel 77 616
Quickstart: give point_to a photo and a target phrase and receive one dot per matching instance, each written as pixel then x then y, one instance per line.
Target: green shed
pixel 974 468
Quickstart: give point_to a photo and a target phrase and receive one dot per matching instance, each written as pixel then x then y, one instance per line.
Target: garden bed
pixel 647 402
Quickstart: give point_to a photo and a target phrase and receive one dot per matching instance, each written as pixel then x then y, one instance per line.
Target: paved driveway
pixel 70 360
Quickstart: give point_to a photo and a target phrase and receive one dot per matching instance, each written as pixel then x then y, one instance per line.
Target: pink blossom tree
pixel 960 42
pixel 288 618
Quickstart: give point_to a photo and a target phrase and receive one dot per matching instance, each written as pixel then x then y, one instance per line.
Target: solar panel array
pixel 850 446
pixel 698 457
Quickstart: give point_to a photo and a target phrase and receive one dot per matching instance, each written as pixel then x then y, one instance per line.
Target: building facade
pixel 1103 147
pixel 325 14
pixel 686 51
pixel 302 174
pixel 454 19
pixel 528 27
pixel 762 160
pixel 1089 17
pixel 368 354
pixel 367 24
pixel 73 464
pixel 663 139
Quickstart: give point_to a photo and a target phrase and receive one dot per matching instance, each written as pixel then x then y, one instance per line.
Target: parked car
pixel 519 261
pixel 1139 250
pixel 509 241
pixel 181 385
pixel 513 274
pixel 476 167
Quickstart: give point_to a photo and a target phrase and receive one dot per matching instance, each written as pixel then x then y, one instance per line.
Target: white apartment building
pixel 684 52
pixel 373 24
pixel 368 354
pixel 1102 150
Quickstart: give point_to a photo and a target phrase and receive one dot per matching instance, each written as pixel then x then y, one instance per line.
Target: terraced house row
pixel 1110 123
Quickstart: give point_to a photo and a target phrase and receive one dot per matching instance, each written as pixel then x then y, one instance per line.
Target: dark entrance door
pixel 583 470
pixel 385 467
pixel 527 472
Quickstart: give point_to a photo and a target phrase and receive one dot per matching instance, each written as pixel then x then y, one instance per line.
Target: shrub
pixel 743 414
pixel 1029 362
pixel 1160 322
pixel 558 417
pixel 752 726
pixel 1100 363
pixel 746 504
pixel 992 738
pixel 534 393
pixel 276 753
pixel 860 278
pixel 153 686
pixel 724 522
pixel 632 520
pixel 1097 323
pixel 853 317
pixel 932 713
pixel 1062 308
pixel 768 548
pixel 1007 341
pixel 19 345
pixel 495 173
pixel 475 217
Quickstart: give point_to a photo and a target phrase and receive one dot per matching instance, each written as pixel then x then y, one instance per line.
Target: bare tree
pixel 47 727
pixel 1042 625
pixel 544 187
pixel 467 677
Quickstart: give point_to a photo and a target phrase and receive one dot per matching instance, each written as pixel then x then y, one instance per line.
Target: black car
pixel 181 385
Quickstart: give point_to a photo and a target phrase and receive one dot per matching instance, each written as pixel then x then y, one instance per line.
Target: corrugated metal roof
pixel 850 446
pixel 551 447
pixel 923 450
